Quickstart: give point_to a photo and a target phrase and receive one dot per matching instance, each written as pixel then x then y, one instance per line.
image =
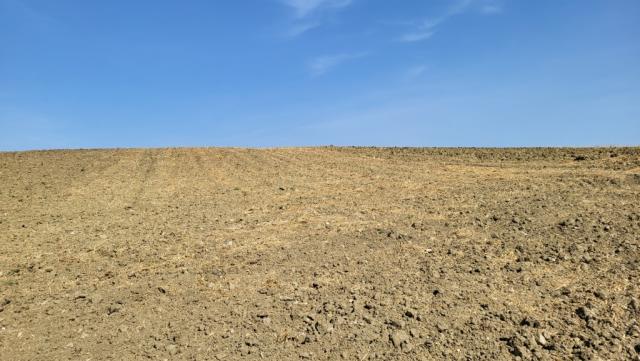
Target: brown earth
pixel 320 254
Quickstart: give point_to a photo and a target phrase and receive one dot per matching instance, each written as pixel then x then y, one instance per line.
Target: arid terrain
pixel 320 254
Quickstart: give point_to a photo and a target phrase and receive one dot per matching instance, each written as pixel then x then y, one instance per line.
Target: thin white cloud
pixel 415 72
pixel 323 64
pixel 490 8
pixel 423 31
pixel 301 28
pixel 426 29
pixel 417 36
pixel 308 14
pixel 305 8
pixel 459 6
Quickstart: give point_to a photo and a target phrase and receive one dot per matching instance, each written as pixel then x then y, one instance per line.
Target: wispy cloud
pixel 491 7
pixel 305 8
pixel 414 72
pixel 308 14
pixel 425 29
pixel 301 28
pixel 322 64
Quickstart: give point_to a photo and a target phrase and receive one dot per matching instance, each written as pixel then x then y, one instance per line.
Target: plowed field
pixel 320 254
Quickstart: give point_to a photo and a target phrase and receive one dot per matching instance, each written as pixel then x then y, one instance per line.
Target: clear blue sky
pixel 311 72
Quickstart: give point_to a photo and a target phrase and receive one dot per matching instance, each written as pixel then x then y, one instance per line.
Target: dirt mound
pixel 320 254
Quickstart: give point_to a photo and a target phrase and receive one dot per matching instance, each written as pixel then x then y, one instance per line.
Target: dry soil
pixel 320 254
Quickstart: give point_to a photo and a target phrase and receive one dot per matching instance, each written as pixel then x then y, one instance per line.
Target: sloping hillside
pixel 320 254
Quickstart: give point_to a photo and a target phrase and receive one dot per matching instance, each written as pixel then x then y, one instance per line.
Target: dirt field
pixel 320 254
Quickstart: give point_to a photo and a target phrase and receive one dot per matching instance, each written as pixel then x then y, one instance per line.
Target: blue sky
pixel 88 74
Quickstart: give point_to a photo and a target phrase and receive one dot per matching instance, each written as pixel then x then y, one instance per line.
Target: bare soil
pixel 320 254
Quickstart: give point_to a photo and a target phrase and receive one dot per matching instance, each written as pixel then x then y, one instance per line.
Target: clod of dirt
pixel 114 308
pixel 542 340
pixel 323 327
pixel 3 303
pixel 251 341
pixel 585 313
pixel 411 313
pixel 399 337
pixel 171 349
pixel 530 321
pixel 79 295
pixel 397 323
pixel 634 179
pixel 601 294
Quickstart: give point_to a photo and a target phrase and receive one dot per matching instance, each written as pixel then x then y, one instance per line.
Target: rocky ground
pixel 320 254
